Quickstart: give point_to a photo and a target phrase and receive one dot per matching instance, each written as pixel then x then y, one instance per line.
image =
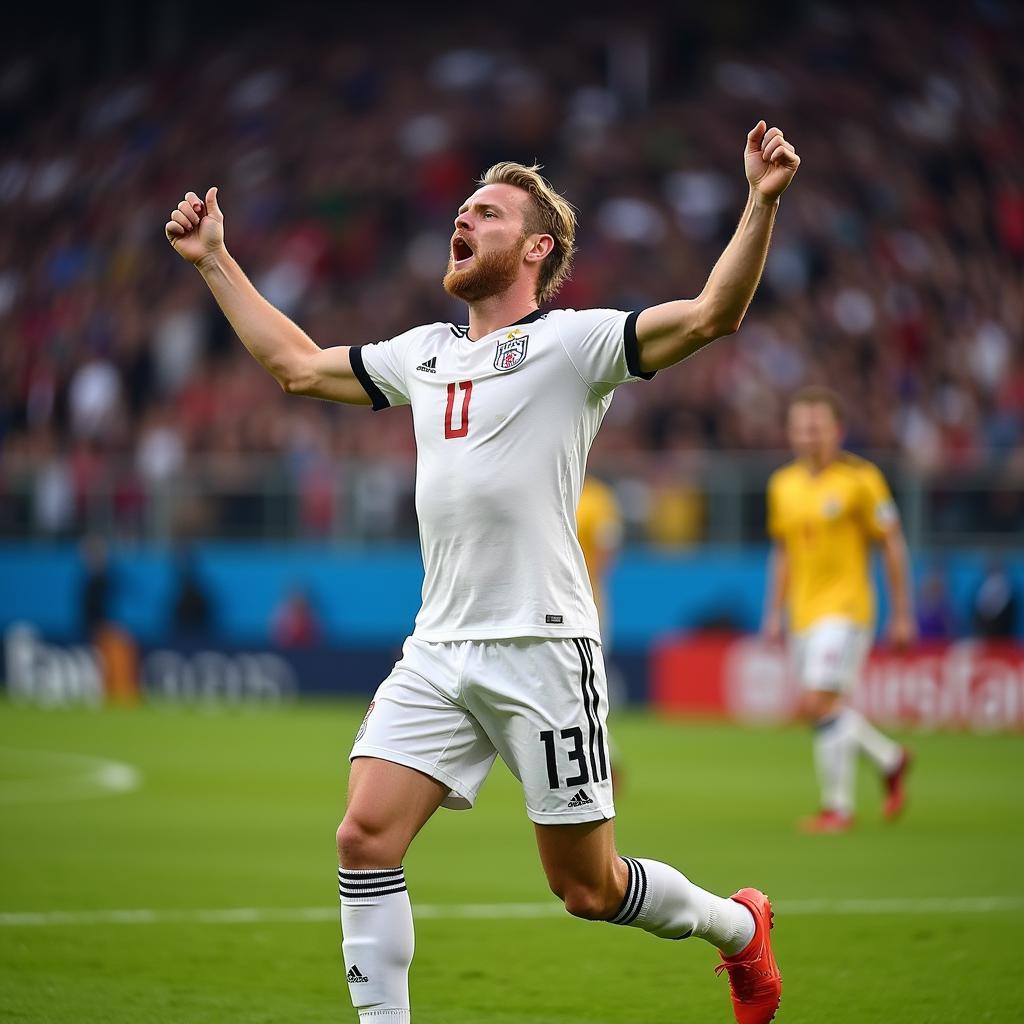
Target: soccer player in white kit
pixel 505 657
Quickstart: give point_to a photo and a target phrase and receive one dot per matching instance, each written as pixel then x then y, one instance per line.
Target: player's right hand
pixel 196 228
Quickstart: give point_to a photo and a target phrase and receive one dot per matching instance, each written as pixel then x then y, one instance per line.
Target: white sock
pixel 664 902
pixel 377 942
pixel 834 750
pixel 883 751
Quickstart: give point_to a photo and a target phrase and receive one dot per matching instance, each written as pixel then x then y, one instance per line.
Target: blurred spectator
pixel 115 647
pixel 995 604
pixel 934 608
pixel 296 623
pixel 192 613
pixel 96 586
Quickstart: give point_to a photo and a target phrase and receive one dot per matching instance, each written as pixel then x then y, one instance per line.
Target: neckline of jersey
pixel 837 460
pixel 528 319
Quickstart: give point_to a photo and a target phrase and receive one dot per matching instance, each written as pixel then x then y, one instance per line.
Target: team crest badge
pixel 511 352
pixel 366 718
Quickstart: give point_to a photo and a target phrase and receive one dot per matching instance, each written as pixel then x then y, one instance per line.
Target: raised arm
pixel 902 627
pixel 674 330
pixel 297 363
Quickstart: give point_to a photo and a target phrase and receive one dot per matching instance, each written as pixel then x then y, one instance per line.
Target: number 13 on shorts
pixel 575 752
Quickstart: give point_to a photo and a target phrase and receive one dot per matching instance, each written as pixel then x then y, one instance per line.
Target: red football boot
pixel 754 979
pixel 827 822
pixel 895 794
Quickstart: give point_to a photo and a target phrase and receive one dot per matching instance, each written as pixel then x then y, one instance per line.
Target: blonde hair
pixel 548 214
pixel 817 394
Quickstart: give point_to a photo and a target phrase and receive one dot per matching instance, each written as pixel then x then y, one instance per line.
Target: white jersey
pixel 503 427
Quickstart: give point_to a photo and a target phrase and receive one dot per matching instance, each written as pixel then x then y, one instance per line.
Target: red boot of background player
pixel 826 822
pixel 895 795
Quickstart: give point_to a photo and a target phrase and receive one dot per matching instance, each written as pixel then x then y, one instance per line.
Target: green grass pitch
pixel 238 810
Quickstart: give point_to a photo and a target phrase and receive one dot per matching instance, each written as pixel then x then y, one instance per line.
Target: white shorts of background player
pixel 830 655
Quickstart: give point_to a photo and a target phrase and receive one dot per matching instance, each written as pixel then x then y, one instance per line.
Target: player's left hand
pixel 902 632
pixel 770 161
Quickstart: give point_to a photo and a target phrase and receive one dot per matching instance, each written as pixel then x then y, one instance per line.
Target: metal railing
pixel 667 499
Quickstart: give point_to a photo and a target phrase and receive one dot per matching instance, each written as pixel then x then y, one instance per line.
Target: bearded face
pixel 474 276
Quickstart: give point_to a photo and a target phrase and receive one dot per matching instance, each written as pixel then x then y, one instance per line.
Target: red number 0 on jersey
pixel 463 428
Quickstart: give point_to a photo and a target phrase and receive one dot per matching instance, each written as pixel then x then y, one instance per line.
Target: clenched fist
pixel 196 228
pixel 770 161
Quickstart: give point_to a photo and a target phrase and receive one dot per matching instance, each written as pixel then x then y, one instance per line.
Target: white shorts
pixel 830 654
pixel 448 709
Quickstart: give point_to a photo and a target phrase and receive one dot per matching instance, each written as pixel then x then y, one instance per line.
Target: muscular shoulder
pixel 580 320
pixel 854 463
pixel 424 332
pixel 860 470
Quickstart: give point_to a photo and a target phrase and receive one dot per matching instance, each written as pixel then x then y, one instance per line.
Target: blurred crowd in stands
pixel 896 273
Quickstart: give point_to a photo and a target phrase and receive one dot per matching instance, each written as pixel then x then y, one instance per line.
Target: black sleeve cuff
pixel 632 352
pixel 378 400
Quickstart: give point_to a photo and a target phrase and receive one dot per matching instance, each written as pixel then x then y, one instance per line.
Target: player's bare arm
pixel 297 363
pixel 902 627
pixel 778 580
pixel 674 330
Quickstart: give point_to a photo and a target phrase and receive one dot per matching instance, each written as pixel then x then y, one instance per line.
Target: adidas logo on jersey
pixel 355 976
pixel 428 365
pixel 580 800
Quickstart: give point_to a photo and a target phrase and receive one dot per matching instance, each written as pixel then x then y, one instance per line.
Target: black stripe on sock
pixel 584 669
pixel 362 894
pixel 643 891
pixel 625 899
pixel 632 887
pixel 369 883
pixel 641 883
pixel 374 883
pixel 636 893
pixel 597 714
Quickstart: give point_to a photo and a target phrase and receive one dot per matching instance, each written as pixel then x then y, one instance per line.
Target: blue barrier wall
pixel 368 596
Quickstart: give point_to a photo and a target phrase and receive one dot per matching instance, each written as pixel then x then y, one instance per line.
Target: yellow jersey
pixel 827 523
pixel 599 528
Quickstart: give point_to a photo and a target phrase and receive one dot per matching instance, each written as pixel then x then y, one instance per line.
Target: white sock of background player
pixel 883 751
pixel 377 942
pixel 662 901
pixel 835 751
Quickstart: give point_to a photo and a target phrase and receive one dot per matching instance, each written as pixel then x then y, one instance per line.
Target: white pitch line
pixel 491 911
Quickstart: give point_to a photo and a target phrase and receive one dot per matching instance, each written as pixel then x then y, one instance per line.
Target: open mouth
pixel 461 252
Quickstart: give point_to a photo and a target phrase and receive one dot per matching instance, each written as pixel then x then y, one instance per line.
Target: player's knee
pixel 362 846
pixel 820 705
pixel 592 903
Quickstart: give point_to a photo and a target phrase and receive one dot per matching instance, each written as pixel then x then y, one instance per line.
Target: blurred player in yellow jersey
pixel 599 524
pixel 826 510
pixel 599 527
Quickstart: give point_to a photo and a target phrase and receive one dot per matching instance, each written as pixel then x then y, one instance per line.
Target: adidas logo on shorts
pixel 428 365
pixel 580 800
pixel 355 976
